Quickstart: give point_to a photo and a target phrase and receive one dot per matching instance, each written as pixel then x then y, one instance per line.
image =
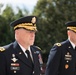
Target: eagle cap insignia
pixel 33 20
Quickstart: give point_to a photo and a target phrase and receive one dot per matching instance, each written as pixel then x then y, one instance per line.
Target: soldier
pixel 21 57
pixel 62 57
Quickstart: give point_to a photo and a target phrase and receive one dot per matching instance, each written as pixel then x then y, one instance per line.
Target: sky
pixel 28 4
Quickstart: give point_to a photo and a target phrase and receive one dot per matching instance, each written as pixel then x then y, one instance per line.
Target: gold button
pixel 33 72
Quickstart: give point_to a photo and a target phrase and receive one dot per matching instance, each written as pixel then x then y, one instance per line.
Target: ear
pixel 69 32
pixel 16 31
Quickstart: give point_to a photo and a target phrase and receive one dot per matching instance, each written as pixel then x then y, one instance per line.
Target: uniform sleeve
pixel 2 64
pixel 53 62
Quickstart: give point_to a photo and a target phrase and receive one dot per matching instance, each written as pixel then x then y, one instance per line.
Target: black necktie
pixel 28 54
pixel 75 47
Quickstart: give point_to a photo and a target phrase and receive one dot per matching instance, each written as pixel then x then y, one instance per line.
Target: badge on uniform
pixel 14 66
pixel 68 56
pixel 37 52
pixel 66 66
pixel 39 56
pixel 14 58
pixel 40 59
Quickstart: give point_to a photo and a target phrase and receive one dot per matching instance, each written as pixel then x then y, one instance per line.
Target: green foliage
pixel 8 15
pixel 53 14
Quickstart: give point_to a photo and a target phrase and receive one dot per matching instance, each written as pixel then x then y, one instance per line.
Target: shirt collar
pixel 73 45
pixel 23 49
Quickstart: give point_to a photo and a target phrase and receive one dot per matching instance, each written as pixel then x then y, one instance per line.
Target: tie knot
pixel 29 56
pixel 28 53
pixel 26 50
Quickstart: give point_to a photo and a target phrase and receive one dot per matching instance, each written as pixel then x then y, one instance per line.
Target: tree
pixel 8 15
pixel 52 17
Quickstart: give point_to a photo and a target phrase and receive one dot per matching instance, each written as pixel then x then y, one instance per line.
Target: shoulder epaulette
pixel 57 44
pixel 38 47
pixel 2 49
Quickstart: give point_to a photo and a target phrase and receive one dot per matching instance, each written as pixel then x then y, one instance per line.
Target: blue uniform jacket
pixel 14 62
pixel 61 60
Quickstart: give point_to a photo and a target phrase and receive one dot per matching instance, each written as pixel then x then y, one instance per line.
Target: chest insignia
pixel 14 58
pixel 66 66
pixel 68 56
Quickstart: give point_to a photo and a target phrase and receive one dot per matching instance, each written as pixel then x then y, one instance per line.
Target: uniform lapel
pixel 21 55
pixel 34 54
pixel 70 48
pixel 35 58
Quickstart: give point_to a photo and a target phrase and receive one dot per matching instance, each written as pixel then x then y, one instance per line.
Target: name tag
pixel 15 68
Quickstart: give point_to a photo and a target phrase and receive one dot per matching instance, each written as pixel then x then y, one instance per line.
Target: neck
pixel 24 45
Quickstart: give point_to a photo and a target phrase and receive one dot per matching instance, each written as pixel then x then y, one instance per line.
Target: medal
pixel 14 59
pixel 66 66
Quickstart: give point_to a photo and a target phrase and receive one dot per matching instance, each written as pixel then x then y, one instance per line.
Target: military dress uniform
pixel 13 60
pixel 62 56
pixel 62 60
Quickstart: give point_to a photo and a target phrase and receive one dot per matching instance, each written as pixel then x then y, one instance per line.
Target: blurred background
pixel 52 14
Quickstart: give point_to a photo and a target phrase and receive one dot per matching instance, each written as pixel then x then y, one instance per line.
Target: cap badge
pixel 33 20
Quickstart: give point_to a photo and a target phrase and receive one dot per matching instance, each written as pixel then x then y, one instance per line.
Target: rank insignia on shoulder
pixel 58 44
pixel 2 49
pixel 38 47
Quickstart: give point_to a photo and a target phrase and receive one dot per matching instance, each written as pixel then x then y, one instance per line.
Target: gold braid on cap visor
pixel 28 26
pixel 72 28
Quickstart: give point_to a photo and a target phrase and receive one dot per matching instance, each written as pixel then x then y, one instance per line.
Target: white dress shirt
pixel 73 45
pixel 23 49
